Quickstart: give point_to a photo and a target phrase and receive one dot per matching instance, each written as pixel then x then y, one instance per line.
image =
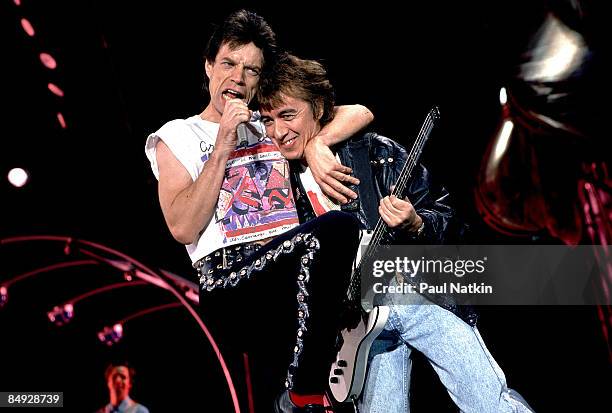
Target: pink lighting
pixel 27 27
pixel 3 295
pixel 61 120
pixel 111 335
pixel 55 89
pixel 61 315
pixel 48 61
pixel 151 277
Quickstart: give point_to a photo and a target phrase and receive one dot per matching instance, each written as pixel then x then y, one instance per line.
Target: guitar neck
pixel 406 172
pixel 400 187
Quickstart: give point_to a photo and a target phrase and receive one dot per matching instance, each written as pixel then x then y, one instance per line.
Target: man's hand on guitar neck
pixel 397 212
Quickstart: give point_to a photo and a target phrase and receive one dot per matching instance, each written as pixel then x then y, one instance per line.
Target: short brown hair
pixel 299 78
pixel 240 28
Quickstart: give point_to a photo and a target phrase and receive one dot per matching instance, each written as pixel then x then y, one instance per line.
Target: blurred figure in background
pixel 119 381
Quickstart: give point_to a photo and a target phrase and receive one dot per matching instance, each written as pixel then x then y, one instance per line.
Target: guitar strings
pixel 405 175
pixel 406 172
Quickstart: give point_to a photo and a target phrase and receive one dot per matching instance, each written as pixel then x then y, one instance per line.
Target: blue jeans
pixel 456 351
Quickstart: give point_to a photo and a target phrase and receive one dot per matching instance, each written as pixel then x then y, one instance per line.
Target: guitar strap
pixel 302 204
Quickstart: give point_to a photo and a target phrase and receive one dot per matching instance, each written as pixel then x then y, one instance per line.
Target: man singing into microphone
pixel 232 206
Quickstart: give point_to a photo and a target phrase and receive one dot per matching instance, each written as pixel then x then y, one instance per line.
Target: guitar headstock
pixel 435 113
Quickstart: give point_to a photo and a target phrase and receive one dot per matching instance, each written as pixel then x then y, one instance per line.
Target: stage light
pixel 27 27
pixel 503 96
pixel 502 140
pixel 48 61
pixel 3 295
pixel 61 315
pixel 557 53
pixel 68 246
pixel 128 275
pixel 18 177
pixel 111 335
pixel 61 120
pixel 122 262
pixel 55 89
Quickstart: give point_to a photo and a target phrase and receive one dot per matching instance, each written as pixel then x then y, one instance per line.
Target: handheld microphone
pixel 241 131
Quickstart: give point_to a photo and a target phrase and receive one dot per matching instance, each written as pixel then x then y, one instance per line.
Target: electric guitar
pixel 347 373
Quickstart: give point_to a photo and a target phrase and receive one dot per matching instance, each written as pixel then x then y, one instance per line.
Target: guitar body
pixel 364 241
pixel 347 373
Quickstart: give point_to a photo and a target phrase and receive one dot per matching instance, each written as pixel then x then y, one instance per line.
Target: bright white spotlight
pixel 502 140
pixel 558 52
pixel 18 177
pixel 503 96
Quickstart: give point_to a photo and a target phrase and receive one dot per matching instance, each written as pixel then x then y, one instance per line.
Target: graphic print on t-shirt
pixel 256 196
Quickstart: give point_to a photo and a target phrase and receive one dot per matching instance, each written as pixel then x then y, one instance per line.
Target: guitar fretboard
pixel 380 229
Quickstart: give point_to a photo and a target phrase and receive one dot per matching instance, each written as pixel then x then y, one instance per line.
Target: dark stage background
pixel 128 67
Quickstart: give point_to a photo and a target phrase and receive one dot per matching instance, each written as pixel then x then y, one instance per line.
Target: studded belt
pixel 213 265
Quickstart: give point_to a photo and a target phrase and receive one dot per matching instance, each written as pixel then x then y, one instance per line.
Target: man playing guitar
pixel 296 101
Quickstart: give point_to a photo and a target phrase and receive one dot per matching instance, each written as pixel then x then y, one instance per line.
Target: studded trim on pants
pixel 209 281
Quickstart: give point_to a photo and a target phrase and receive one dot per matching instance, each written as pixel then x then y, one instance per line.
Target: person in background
pixel 119 380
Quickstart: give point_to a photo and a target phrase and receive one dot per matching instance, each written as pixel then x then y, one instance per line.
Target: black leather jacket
pixel 377 161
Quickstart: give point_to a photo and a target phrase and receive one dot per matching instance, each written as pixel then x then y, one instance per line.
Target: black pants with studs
pixel 282 304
